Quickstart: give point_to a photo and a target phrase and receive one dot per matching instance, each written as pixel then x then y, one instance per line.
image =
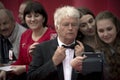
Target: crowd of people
pixel 35 51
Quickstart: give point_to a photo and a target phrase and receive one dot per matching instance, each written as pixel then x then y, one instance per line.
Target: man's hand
pixel 79 49
pixel 76 63
pixel 2 75
pixel 18 69
pixel 59 55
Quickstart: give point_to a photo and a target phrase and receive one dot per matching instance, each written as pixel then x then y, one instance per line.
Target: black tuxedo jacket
pixel 42 67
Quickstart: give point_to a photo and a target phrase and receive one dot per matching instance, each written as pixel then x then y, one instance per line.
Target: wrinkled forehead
pixel 69 18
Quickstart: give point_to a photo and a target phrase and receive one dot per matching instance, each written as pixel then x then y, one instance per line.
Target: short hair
pixel 85 11
pixel 9 13
pixel 36 7
pixel 2 5
pixel 65 11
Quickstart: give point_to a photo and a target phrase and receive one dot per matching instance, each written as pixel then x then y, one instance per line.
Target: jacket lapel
pixel 53 47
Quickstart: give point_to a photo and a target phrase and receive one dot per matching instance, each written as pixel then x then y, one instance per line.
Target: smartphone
pixel 93 63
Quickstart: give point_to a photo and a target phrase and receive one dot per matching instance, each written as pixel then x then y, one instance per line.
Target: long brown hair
pixel 112 54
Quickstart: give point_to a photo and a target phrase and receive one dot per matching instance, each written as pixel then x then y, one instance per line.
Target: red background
pixel 50 5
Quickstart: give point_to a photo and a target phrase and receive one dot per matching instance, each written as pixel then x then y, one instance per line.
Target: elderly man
pixel 56 59
pixel 10 34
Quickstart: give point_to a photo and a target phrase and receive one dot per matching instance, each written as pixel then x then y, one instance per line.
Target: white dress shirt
pixel 67 69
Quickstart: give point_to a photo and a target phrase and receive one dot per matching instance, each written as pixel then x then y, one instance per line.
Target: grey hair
pixel 65 11
pixel 9 14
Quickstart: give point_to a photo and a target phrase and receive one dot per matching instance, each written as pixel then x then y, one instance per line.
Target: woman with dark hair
pixel 108 41
pixel 36 18
pixel 86 30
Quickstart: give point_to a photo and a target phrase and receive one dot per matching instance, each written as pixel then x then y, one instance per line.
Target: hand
pixel 31 47
pixel 79 48
pixel 76 63
pixel 59 55
pixel 2 75
pixel 18 69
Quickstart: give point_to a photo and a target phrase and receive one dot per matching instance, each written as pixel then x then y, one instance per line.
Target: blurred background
pixel 50 5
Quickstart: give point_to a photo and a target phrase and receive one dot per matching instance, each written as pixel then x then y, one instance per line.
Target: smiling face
pixel 34 20
pixel 106 31
pixel 87 25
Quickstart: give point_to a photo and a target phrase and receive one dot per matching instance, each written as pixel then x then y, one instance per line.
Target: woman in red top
pixel 36 18
pixel 28 43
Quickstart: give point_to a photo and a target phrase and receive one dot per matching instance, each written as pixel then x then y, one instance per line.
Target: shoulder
pixel 48 43
pixel 27 33
pixel 51 33
pixel 21 28
pixel 88 48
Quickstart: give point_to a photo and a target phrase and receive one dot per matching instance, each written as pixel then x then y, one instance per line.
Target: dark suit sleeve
pixel 42 65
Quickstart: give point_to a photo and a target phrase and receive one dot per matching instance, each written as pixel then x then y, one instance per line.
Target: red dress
pixel 26 40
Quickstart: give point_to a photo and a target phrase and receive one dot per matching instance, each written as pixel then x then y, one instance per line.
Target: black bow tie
pixel 70 47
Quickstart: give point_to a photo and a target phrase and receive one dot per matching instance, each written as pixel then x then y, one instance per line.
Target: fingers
pixel 59 55
pixel 31 47
pixel 80 45
pixel 77 62
pixel 2 75
pixel 79 49
pixel 18 69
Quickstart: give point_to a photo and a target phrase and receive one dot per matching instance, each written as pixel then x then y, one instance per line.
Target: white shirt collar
pixel 60 43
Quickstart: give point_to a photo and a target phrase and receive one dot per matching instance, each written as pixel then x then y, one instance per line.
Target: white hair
pixel 65 11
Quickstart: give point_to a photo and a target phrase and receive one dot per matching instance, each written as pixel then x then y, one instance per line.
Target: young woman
pixel 108 41
pixel 87 27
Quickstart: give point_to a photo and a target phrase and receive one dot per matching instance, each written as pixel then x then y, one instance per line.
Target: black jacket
pixel 42 67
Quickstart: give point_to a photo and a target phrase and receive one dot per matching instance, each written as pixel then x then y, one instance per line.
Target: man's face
pixel 6 25
pixel 67 30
